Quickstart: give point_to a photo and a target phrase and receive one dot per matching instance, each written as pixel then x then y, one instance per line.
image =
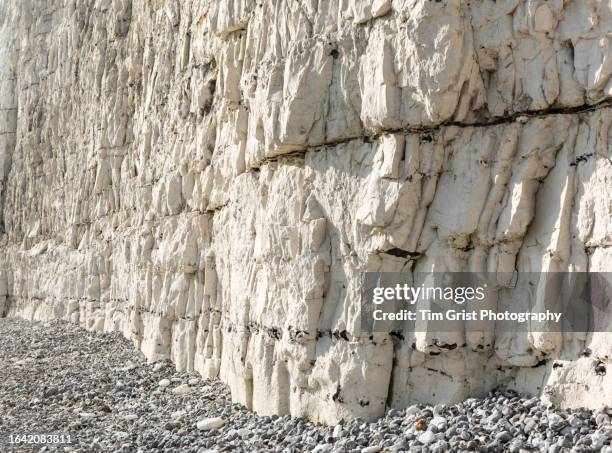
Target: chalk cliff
pixel 212 178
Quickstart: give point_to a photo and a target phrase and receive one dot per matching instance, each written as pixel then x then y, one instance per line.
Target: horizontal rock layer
pixel 212 178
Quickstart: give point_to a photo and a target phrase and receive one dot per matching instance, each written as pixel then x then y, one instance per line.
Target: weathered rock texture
pixel 211 177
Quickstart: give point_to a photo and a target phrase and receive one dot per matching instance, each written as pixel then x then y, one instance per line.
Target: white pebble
pixel 602 419
pixel 427 437
pixel 438 422
pixel 210 423
pixel 183 389
pixel 338 432
pixel 164 383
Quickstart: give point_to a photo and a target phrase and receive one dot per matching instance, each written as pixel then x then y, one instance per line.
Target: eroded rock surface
pixel 211 178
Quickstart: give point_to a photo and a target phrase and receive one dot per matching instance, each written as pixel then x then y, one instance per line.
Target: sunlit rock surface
pixel 212 178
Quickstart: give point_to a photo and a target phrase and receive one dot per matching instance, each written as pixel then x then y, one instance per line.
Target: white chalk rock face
pixel 212 178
